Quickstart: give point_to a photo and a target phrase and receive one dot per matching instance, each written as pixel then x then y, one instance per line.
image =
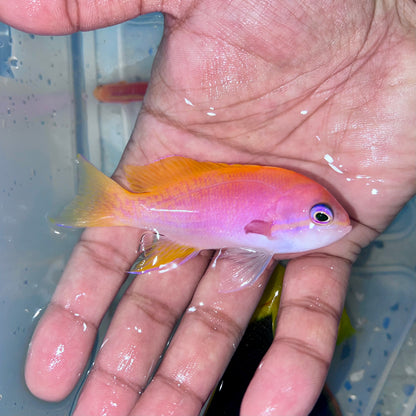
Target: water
pixel 38 176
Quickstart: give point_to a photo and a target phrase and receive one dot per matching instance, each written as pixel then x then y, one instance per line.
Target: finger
pixel 202 346
pixel 59 17
pixel 291 376
pixel 137 336
pixel 64 337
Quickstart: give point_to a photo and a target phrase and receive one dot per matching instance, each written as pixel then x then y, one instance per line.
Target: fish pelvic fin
pixel 245 267
pixel 100 201
pixel 166 171
pixel 161 254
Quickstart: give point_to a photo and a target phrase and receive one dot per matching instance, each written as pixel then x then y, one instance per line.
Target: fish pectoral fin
pixel 162 255
pixel 244 268
pixel 259 227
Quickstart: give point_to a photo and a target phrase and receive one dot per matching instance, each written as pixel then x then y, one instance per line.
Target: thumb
pixel 61 17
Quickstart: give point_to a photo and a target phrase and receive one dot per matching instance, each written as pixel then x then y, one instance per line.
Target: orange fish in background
pixel 249 212
pixel 120 92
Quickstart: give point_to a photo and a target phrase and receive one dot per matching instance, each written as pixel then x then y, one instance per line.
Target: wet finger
pixel 64 337
pixel 136 338
pixel 61 17
pixel 202 346
pixel 297 362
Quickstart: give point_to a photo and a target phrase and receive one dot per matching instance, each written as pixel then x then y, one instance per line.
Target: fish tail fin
pixel 100 201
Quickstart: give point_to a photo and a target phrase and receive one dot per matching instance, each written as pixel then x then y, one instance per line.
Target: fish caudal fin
pixel 100 201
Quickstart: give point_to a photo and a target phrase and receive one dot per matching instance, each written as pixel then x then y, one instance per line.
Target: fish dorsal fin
pixel 165 171
pixel 161 255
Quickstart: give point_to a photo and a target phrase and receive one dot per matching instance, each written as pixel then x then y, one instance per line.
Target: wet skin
pixel 325 89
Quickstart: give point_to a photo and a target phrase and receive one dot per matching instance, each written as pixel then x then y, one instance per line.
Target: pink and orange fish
pixel 249 212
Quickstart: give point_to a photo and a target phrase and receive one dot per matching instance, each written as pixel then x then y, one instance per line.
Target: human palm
pixel 325 90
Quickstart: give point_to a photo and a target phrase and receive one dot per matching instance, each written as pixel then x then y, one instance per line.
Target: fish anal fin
pixel 162 255
pixel 165 171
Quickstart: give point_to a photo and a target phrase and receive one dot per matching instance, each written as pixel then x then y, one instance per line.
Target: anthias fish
pixel 250 212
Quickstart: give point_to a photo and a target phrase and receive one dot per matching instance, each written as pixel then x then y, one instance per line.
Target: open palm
pixel 326 90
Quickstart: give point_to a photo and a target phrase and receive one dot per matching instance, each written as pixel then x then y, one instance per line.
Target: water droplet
pixel 211 112
pixel 330 161
pixel 329 158
pixel 104 342
pixel 77 297
pixel 13 62
pixel 36 314
pixel 410 371
pixel 357 376
pixel 337 170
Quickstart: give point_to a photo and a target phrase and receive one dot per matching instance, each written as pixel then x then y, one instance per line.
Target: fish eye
pixel 321 214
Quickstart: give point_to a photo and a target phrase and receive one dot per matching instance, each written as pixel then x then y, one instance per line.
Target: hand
pixel 325 89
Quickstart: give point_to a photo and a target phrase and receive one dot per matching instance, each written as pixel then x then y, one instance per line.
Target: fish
pixel 249 213
pixel 120 92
